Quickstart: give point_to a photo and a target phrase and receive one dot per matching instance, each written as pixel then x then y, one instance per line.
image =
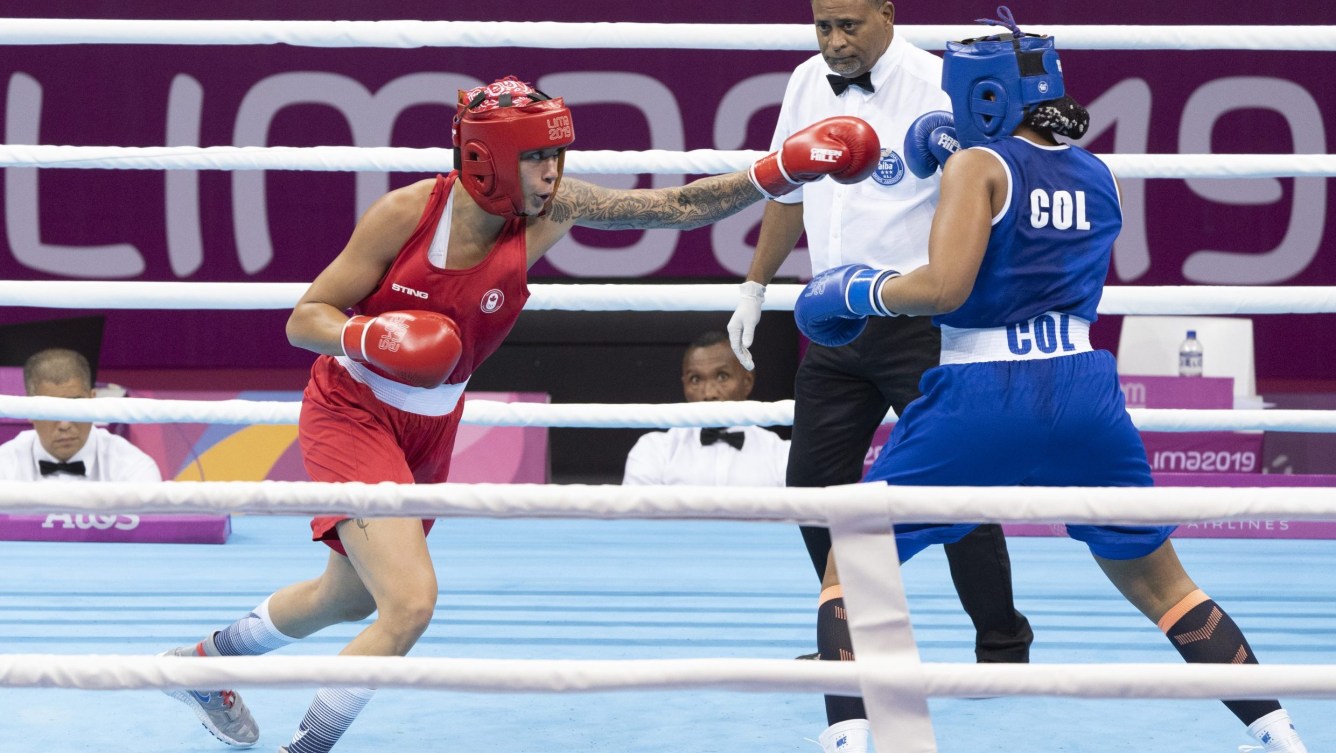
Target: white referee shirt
pixel 882 221
pixel 106 457
pixel 677 458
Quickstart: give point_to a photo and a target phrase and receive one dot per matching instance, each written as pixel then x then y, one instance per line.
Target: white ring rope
pixel 808 506
pixel 872 505
pixel 593 162
pixel 249 296
pixel 560 35
pixel 938 680
pixel 476 412
pixel 133 410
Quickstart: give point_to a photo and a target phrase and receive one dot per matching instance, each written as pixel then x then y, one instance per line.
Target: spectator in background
pixel 69 450
pixel 737 456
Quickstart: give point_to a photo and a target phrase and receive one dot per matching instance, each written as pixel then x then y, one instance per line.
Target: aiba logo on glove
pixel 393 336
pixel 818 285
pixel 890 168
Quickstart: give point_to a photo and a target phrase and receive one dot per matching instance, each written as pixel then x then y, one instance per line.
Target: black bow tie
pixel 47 467
pixel 709 436
pixel 840 83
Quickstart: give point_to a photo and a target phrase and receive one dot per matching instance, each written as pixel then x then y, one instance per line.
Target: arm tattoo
pixel 694 205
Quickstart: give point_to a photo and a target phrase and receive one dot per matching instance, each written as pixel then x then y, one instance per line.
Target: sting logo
pixel 396 287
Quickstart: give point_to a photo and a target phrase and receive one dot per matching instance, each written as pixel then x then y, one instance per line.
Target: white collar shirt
pixel 677 458
pixel 106 457
pixel 882 221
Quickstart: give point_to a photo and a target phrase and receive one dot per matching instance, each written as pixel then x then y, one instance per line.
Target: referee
pixel 843 393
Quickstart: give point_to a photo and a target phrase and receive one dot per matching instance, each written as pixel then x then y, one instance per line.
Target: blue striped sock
pixel 251 635
pixel 328 718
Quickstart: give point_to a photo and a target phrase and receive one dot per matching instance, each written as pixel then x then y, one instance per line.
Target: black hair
pixel 708 339
pixel 1064 116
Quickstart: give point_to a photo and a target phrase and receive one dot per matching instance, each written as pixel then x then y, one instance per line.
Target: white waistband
pixel 1048 335
pixel 438 401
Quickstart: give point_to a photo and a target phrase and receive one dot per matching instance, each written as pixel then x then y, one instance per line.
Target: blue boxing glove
pixel 930 141
pixel 833 309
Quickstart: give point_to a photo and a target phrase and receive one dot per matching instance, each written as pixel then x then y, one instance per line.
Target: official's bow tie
pixel 47 467
pixel 709 436
pixel 840 83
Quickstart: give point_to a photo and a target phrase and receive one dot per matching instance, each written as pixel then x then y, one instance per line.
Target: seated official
pixel 69 450
pixel 738 456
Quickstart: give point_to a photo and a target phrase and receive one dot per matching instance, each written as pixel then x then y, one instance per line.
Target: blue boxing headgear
pixel 994 82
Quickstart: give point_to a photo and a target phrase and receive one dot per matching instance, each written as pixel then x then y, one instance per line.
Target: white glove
pixel 742 327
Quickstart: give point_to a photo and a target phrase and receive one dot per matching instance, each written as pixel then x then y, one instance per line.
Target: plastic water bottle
pixel 1189 356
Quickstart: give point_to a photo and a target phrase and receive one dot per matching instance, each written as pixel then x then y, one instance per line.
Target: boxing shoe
pixel 1276 734
pixel 849 736
pixel 222 712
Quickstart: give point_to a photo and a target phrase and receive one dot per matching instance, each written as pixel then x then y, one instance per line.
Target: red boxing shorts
pixel 346 434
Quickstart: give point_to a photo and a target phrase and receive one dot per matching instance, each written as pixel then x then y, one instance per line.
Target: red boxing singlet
pixel 484 300
pixel 346 432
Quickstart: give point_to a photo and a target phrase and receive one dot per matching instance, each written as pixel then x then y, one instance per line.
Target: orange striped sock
pixel 835 644
pixel 1205 634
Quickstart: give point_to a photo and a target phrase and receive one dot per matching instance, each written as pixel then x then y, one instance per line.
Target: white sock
pixel 849 736
pixel 251 635
pixel 1276 733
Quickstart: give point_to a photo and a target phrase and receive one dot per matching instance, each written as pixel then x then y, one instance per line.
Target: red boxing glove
pixel 844 147
pixel 419 348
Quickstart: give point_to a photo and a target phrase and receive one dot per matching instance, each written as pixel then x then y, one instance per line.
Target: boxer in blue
pixel 1017 259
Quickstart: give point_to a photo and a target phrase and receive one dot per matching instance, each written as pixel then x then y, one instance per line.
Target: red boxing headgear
pixel 493 126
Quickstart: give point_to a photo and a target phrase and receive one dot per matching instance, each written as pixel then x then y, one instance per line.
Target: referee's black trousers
pixel 841 396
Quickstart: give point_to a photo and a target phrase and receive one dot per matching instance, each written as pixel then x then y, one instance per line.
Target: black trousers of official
pixel 841 396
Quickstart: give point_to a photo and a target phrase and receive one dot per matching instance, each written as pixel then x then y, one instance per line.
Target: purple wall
pixel 285 226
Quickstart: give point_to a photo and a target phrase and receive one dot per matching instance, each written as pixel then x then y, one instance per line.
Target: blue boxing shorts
pixel 1049 422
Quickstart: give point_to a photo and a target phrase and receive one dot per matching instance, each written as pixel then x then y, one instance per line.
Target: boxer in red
pixel 435 278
